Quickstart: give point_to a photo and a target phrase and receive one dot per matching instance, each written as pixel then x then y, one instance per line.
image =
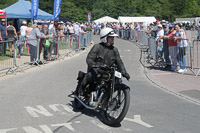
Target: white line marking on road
pixel 77 122
pixel 33 111
pixel 7 130
pixel 127 129
pixel 67 125
pixel 104 127
pixel 68 109
pixel 137 119
pixel 54 107
pixel 30 129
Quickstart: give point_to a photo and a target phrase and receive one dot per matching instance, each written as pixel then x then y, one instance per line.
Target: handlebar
pixel 104 67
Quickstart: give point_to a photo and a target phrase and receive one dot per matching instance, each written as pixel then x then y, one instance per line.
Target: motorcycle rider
pixel 103 53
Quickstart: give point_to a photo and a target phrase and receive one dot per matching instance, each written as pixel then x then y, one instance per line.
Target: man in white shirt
pixel 159 40
pixel 51 25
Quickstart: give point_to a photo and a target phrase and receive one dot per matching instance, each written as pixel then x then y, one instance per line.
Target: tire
pixel 77 104
pixel 121 116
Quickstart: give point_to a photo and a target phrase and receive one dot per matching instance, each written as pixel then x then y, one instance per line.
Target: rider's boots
pixel 82 85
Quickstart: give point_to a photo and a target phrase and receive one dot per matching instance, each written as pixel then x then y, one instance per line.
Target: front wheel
pixel 115 109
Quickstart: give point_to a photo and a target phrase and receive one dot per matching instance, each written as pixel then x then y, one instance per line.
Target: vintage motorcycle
pixel 106 94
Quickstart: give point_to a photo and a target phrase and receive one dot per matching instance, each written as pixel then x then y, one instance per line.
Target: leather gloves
pixel 126 75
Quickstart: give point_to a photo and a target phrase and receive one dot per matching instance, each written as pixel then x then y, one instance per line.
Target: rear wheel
pixel 115 110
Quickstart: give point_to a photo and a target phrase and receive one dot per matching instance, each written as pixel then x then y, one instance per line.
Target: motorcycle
pixel 106 94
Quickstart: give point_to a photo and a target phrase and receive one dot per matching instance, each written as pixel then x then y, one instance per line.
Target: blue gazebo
pixel 22 9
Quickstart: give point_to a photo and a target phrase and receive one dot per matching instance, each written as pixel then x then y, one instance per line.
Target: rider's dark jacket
pixel 100 54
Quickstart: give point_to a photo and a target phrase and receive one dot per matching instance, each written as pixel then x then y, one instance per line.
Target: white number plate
pixel 118 74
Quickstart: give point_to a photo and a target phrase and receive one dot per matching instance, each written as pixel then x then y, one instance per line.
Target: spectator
pixel 98 27
pixel 132 26
pixel 159 40
pixel 51 25
pixel 52 39
pixel 45 31
pixel 172 48
pixel 23 30
pixel 71 29
pixel 88 28
pixel 3 37
pixel 150 29
pixel 19 44
pixel 66 31
pixel 163 22
pixel 33 41
pixel 11 34
pixel 198 33
pixel 94 28
pixel 28 32
pixel 116 28
pixel 137 27
pixel 182 47
pixel 166 47
pixel 35 22
pixel 155 29
pixel 76 28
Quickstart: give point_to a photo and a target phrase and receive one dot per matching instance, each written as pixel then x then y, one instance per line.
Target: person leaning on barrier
pixel 166 47
pixel 155 29
pixel 149 30
pixel 159 41
pixel 172 47
pixel 52 39
pixel 45 31
pixel 33 41
pixel 28 32
pixel 103 53
pixel 179 35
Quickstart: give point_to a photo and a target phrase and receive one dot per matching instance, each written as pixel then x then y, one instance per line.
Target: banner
pixel 56 11
pixel 3 14
pixel 89 17
pixel 34 8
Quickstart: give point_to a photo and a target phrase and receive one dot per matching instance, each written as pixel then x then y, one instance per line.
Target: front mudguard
pixel 122 86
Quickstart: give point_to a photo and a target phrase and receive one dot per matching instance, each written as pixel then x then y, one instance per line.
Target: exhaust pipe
pixel 85 105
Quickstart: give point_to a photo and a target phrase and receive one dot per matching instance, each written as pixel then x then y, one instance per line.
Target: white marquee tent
pixel 144 20
pixel 105 20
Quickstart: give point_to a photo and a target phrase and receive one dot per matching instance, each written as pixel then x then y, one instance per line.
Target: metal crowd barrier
pixel 62 46
pixel 196 56
pixel 192 56
pixel 7 55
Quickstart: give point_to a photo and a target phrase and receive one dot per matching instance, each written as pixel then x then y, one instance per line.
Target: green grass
pixel 8 54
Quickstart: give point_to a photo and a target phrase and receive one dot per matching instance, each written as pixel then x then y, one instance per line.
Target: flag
pixel 89 17
pixel 3 13
pixel 56 11
pixel 34 8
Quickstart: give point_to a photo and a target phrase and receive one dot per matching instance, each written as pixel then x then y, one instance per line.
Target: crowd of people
pixel 28 35
pixel 170 39
pixel 117 26
pixel 172 44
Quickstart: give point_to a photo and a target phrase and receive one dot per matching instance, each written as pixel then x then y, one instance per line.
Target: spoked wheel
pixel 115 109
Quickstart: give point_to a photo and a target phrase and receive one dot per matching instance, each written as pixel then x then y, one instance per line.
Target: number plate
pixel 118 74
